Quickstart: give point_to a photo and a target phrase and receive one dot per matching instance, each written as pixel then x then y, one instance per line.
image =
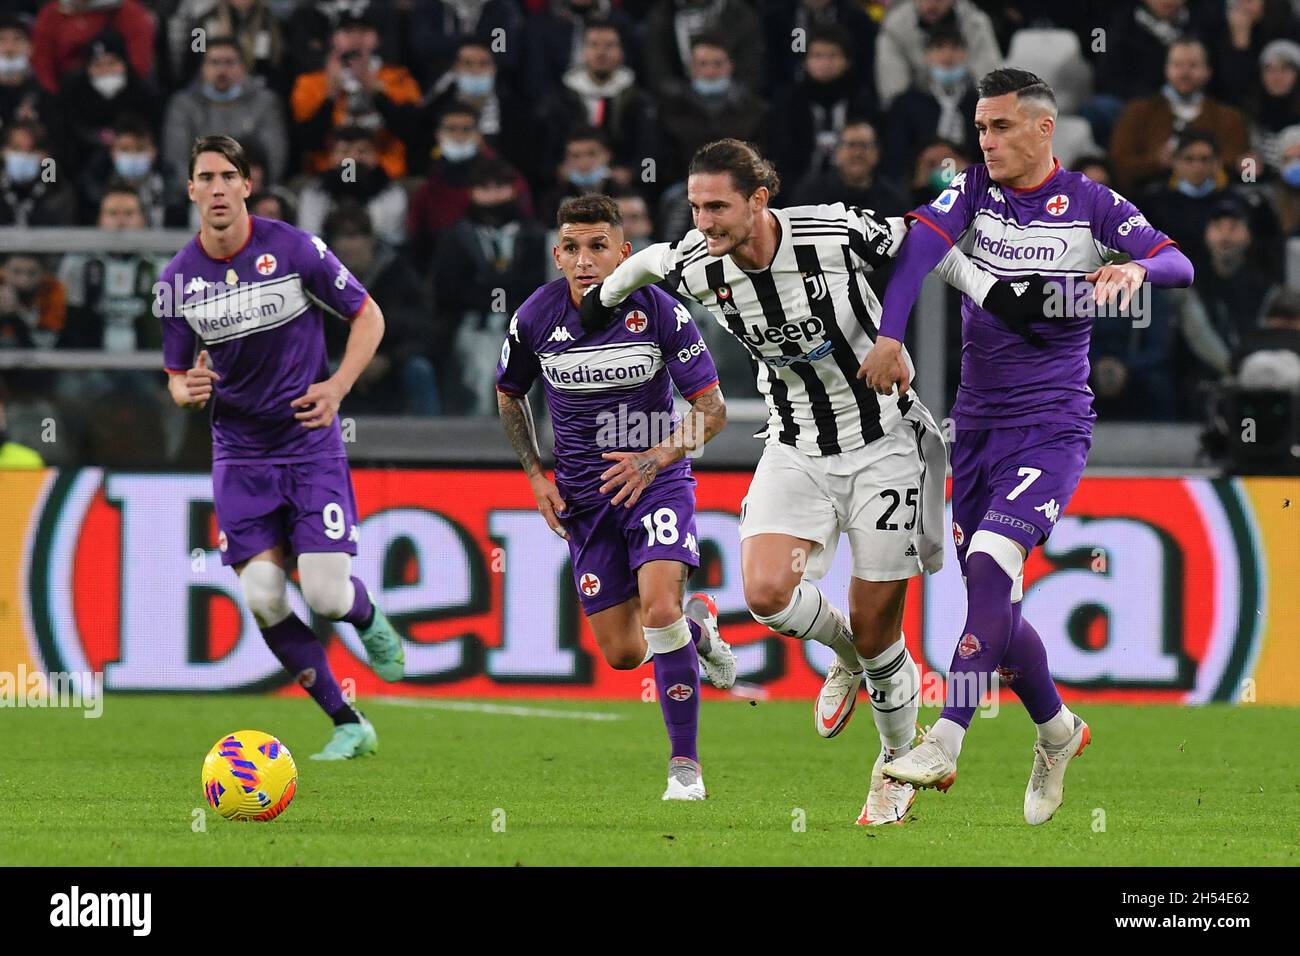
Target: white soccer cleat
pixel 685 781
pixel 1046 788
pixel 888 801
pixel 716 656
pixel 837 699
pixel 926 765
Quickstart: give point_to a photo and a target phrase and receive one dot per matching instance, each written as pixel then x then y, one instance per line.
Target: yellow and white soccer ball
pixel 249 775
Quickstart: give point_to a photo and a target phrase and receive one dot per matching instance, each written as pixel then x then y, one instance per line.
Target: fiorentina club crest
pixel 307 678
pixel 1058 204
pixel 968 646
pixel 222 543
pixel 590 585
pixel 265 264
pixel 635 321
pixel 680 691
pixel 958 536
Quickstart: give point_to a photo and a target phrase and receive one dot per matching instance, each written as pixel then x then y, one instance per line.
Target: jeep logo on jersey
pixel 758 335
pixel 265 264
pixel 635 321
pixel 1058 204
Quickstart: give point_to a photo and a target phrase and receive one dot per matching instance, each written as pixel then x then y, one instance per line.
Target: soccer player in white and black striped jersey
pixel 789 284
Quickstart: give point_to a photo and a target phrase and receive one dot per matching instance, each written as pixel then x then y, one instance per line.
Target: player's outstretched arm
pixel 634 470
pixel 517 420
pixel 1168 268
pixel 638 270
pixel 320 403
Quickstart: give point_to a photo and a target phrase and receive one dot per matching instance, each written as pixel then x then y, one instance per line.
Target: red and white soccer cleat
pixel 926 765
pixel 837 700
pixel 1046 789
pixel 888 801
pixel 717 658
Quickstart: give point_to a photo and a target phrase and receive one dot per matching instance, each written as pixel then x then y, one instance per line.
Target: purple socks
pixel 997 638
pixel 677 681
pixel 303 656
pixel 362 613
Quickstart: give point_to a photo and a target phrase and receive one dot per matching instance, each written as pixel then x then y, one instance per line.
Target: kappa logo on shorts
pixel 680 691
pixel 222 542
pixel 1050 509
pixel 589 584
pixel 969 646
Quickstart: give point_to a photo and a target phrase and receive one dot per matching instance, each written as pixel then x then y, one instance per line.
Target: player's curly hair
pixel 742 160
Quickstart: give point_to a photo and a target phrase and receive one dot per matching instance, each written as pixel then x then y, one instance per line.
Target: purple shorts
pixel 1014 481
pixel 608 544
pixel 307 506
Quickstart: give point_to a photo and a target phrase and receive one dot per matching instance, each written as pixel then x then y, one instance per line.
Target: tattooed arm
pixel 634 470
pixel 517 419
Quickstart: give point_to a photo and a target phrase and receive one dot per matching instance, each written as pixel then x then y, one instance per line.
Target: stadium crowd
pixel 430 142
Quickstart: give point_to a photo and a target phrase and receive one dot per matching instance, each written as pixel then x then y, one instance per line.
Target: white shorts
pixel 888 497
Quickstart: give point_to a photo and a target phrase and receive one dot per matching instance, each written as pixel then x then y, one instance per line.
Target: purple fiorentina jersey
pixel 611 391
pixel 1063 229
pixel 260 314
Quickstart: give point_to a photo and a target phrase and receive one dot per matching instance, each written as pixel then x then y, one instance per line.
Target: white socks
pixel 1057 730
pixel 894 683
pixel 665 640
pixel 950 734
pixel 810 617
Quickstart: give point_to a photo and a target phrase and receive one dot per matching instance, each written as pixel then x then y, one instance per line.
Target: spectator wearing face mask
pixel 444 196
pixel 1284 192
pixel 31 192
pixel 1181 206
pixel 807 119
pixel 492 251
pixel 585 170
pixel 942 104
pixel 224 99
pixel 355 88
pixel 1145 136
pixel 436 28
pixel 901 57
pixel 133 159
pixel 356 176
pixel 672 29
pixel 21 96
pixel 716 105
pixel 504 121
pixel 65 30
pixel 1221 307
pixel 1276 105
pixel 106 89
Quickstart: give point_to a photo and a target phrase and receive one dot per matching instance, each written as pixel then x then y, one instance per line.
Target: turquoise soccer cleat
pixel 350 740
pixel 383 647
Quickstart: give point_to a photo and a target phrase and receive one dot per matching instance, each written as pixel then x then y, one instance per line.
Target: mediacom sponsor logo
pixel 1029 249
pixel 1149 589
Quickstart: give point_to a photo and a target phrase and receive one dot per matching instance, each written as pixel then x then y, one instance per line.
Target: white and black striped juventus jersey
pixel 808 321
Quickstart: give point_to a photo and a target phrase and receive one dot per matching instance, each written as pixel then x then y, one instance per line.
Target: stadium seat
pixel 1056 57
pixel 1073 139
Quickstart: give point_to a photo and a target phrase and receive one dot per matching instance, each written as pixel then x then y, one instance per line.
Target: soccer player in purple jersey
pixel 250 295
pixel 1024 410
pixel 623 496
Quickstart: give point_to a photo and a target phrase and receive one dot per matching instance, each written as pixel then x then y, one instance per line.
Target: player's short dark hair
pixel 1191 137
pixel 590 208
pixel 1024 84
pixel 227 146
pixel 601 23
pixel 226 40
pixel 742 160
pixel 458 107
pixel 471 40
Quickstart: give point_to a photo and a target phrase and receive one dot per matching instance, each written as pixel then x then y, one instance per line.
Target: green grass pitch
pixel 1158 786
